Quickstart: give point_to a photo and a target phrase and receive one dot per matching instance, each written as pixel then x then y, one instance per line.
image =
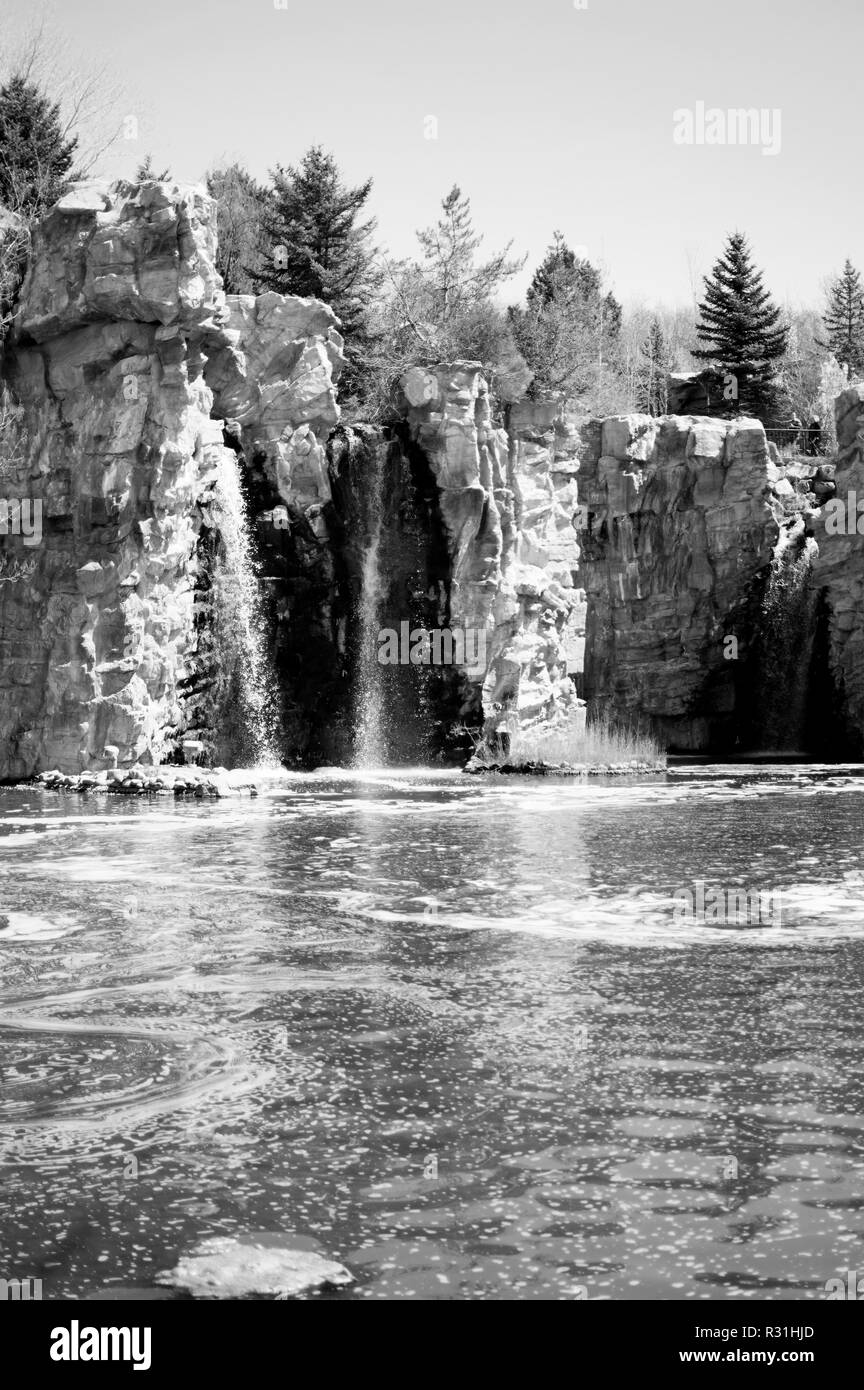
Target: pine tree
pixel 318 246
pixel 145 173
pixel 844 320
pixel 36 157
pixel 652 377
pixel 567 279
pixel 456 281
pixel 739 323
pixel 569 329
pixel 433 297
pixel 315 244
pixel 441 306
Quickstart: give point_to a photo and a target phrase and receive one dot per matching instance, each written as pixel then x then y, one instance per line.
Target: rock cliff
pixel 681 519
pixel 111 439
pixel 670 558
pixel 508 500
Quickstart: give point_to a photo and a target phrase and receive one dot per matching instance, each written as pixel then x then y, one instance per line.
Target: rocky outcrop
pixel 713 392
pixel 274 372
pixel 121 327
pixel 507 498
pixel 680 521
pixel 116 449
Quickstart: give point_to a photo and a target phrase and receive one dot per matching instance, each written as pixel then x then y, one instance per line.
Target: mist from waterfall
pixel 248 725
pixel 370 748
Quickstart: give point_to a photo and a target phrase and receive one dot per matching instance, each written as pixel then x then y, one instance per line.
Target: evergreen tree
pixel 145 173
pixel 441 306
pixel 35 156
pixel 652 378
pixel 844 320
pixel 740 325
pixel 569 329
pixel 567 279
pixel 454 281
pixel 434 303
pixel 315 244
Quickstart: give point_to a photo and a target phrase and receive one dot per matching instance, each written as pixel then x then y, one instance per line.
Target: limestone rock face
pixel 679 516
pixel 122 252
pixel 507 499
pixel 120 322
pixel 117 446
pixel 277 378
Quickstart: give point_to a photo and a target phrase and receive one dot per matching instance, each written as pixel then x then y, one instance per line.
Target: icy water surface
pixel 451 1032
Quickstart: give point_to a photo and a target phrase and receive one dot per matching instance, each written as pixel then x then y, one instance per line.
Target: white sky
pixel 548 116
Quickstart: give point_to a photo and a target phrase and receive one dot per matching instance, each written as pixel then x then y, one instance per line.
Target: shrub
pixel 602 741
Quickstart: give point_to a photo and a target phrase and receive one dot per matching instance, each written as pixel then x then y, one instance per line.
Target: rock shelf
pixel 149 781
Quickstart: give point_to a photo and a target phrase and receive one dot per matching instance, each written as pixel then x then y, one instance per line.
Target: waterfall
pixel 247 732
pixel 785 645
pixel 369 741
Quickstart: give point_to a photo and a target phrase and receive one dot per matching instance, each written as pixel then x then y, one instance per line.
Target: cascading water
pixel 369 741
pixel 785 645
pixel 393 576
pixel 247 731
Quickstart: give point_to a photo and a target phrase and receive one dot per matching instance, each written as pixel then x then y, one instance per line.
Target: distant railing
pixel 804 439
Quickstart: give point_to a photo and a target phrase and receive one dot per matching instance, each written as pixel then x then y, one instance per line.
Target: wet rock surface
pixel 150 781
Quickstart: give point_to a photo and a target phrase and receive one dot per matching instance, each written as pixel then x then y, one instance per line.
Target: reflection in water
pixel 451 1030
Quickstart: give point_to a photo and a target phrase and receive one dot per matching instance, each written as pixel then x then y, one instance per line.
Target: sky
pixel 549 114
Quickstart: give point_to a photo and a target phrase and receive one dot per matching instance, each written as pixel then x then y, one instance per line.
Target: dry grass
pixel 602 743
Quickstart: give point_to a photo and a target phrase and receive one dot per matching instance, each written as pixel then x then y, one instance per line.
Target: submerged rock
pixel 226 1267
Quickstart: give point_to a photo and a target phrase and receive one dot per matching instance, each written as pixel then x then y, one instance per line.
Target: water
pixel 784 645
pixel 248 720
pixel 370 743
pixel 446 1030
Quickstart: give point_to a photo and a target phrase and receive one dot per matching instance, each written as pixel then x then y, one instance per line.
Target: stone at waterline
pixel 157 780
pixel 226 1267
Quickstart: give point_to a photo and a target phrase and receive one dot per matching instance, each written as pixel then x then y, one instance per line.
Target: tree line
pixel 306 231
